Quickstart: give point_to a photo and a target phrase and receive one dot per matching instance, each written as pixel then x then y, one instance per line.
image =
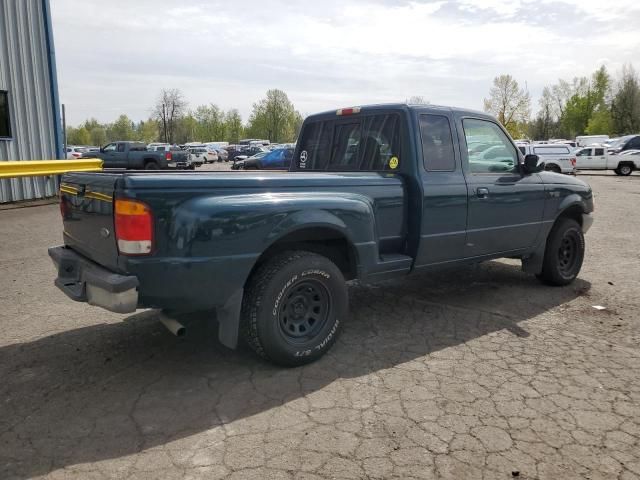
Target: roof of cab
pixel 403 106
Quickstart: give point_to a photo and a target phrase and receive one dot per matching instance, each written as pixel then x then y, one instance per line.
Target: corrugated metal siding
pixel 24 73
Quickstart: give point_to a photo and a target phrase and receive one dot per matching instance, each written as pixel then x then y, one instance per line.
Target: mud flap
pixel 533 263
pixel 228 318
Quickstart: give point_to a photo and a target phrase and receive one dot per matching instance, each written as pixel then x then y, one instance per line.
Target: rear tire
pixel 294 307
pixel 151 166
pixel 625 169
pixel 564 253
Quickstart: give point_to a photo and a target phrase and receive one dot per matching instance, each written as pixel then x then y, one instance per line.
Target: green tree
pixel 510 104
pixel 273 118
pixel 233 126
pixel 185 129
pixel 590 98
pixel 121 129
pixel 625 107
pixel 98 136
pixel 600 123
pixel 147 132
pixel 78 136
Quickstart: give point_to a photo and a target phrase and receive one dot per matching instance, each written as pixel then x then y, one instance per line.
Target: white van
pixel 557 157
pixel 586 140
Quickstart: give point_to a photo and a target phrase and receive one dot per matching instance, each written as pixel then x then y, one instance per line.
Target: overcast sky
pixel 115 56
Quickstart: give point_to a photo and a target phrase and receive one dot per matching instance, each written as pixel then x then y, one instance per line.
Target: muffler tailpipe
pixel 174 326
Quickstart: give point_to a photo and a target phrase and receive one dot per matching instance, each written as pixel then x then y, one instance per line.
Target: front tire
pixel 294 308
pixel 564 253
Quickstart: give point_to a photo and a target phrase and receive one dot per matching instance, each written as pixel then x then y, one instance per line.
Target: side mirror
pixel 531 163
pixel 101 149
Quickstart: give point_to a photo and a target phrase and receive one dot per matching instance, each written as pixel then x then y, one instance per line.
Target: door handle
pixel 482 192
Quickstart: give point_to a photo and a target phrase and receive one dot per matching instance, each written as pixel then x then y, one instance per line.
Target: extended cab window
pixel 599 152
pixel 437 143
pixel 121 147
pixel 367 143
pixel 501 156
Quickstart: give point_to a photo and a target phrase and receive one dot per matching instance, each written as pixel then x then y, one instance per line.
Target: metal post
pixel 64 132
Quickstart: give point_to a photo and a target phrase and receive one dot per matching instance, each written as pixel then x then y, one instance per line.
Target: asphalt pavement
pixel 477 373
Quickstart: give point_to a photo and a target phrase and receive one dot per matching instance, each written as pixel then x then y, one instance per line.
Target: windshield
pixel 618 142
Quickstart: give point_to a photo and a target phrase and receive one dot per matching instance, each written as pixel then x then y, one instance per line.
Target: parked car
pixel 223 155
pixel 134 155
pixel 247 152
pixel 179 158
pixel 271 252
pixel 557 157
pixel 596 157
pixel 628 142
pixel 201 155
pixel 278 159
pixel 75 152
pixel 240 164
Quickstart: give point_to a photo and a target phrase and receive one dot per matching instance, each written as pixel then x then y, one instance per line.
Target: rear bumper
pixel 85 281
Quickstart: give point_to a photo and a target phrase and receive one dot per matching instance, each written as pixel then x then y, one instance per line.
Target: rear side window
pixel 368 143
pixel 551 150
pixel 599 152
pixel 523 150
pixel 121 147
pixel 437 143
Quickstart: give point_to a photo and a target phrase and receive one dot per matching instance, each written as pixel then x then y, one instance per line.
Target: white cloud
pixel 114 57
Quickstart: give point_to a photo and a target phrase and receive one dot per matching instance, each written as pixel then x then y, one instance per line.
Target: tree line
pixel 595 105
pixel 273 117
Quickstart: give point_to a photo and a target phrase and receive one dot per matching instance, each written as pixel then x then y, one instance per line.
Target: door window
pixel 110 148
pixel 437 143
pixel 501 156
pixel 585 152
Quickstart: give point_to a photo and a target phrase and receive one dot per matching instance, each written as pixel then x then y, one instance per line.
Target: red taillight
pixel 134 227
pixel 77 155
pixel 168 156
pixel 573 162
pixel 348 111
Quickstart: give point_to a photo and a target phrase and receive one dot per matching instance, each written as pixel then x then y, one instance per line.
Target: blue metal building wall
pixel 28 73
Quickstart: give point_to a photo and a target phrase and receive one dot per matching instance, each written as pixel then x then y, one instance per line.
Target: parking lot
pixel 479 373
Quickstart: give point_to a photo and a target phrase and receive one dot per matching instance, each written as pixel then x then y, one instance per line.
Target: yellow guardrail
pixel 38 168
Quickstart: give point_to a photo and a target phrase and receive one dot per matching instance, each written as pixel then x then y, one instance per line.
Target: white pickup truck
pixel 595 157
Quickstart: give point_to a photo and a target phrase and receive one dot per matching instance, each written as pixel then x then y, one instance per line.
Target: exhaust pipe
pixel 173 325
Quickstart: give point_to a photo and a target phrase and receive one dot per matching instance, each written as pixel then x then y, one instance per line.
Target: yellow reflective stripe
pixel 98 196
pixel 69 190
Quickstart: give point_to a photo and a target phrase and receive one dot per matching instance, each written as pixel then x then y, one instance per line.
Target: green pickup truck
pixel 372 193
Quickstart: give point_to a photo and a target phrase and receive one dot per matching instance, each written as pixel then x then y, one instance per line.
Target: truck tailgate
pixel 86 203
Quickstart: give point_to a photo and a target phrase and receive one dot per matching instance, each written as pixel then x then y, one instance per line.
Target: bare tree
pixel 509 103
pixel 169 108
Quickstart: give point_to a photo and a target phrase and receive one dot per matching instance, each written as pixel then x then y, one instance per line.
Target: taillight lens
pixel 573 162
pixel 168 156
pixel 64 207
pixel 134 227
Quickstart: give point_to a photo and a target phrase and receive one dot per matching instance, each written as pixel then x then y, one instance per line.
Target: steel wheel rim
pixel 304 311
pixel 568 253
pixel 625 169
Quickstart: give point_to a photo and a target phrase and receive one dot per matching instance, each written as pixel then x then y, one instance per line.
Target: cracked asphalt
pixel 472 374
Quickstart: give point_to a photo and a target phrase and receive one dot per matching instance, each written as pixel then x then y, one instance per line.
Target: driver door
pixel 505 208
